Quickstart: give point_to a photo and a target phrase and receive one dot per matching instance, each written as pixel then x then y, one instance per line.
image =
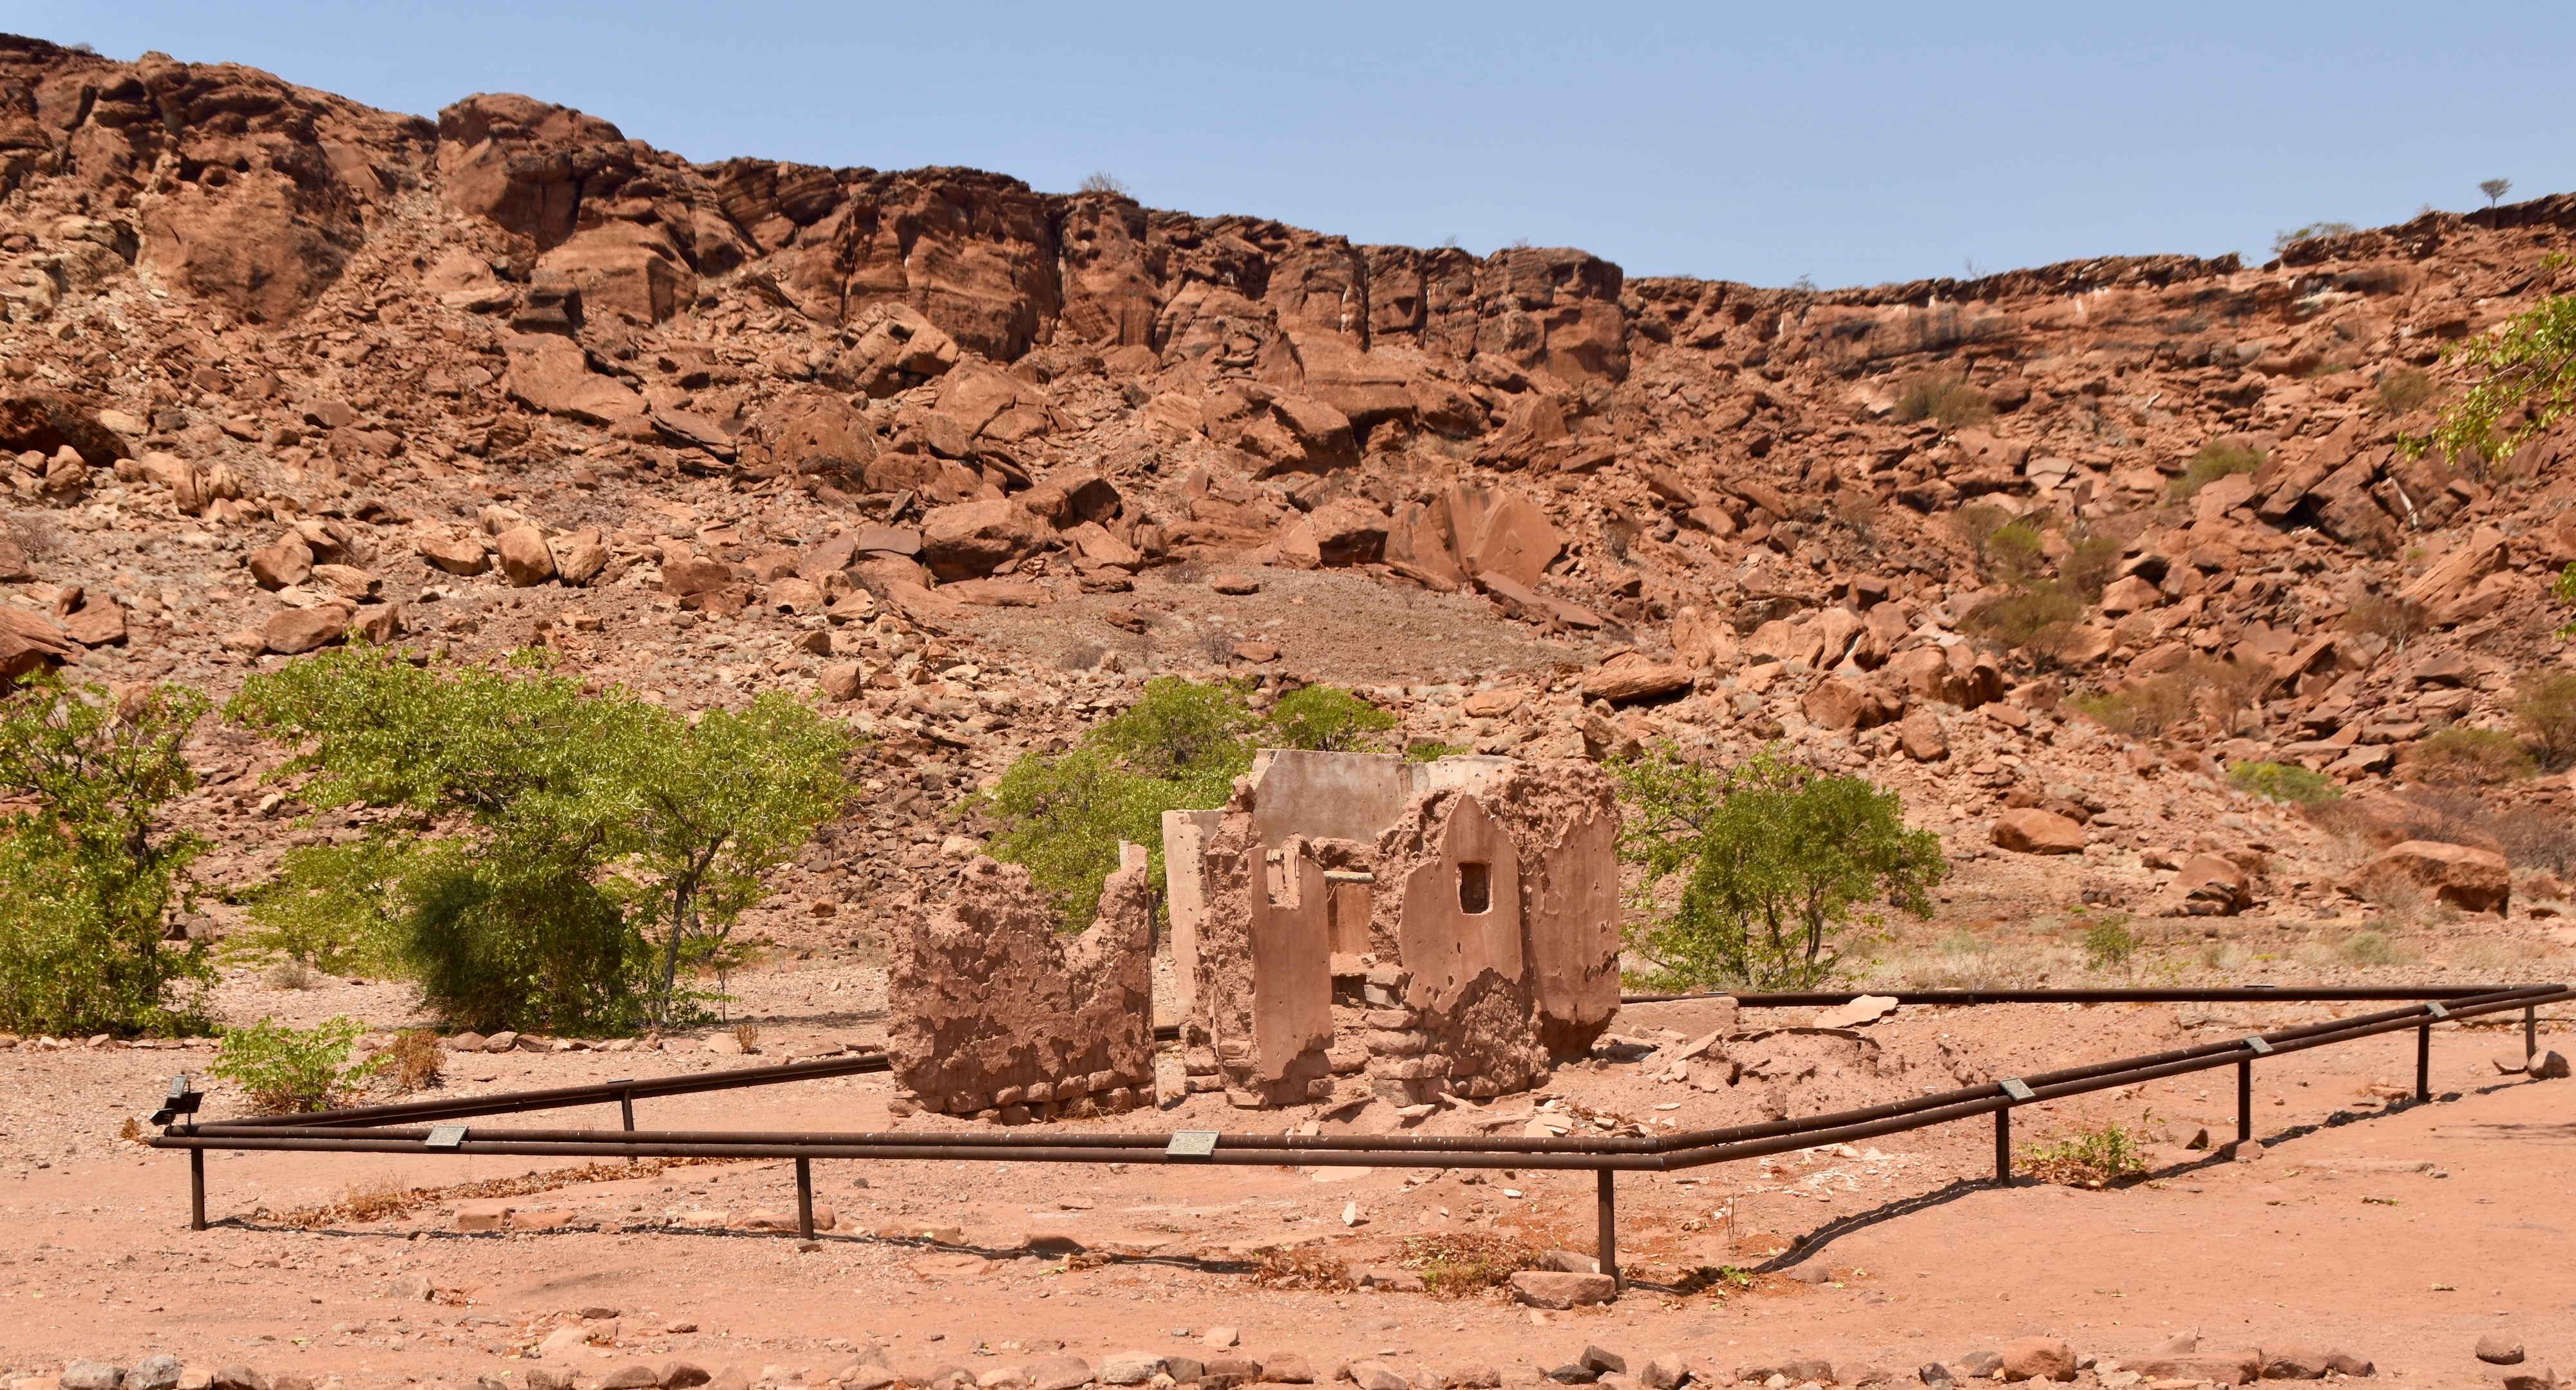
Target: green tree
pixel 1179 747
pixel 87 877
pixel 2525 367
pixel 719 804
pixel 1329 719
pixel 1774 865
pixel 284 1070
pixel 335 907
pixel 542 836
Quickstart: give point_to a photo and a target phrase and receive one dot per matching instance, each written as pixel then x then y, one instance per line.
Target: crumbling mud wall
pixel 1462 949
pixel 998 1017
pixel 1481 1003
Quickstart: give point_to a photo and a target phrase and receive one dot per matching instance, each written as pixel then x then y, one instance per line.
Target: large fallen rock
pixel 1633 676
pixel 28 642
pixel 2030 830
pixel 296 631
pixel 897 346
pixel 551 373
pixel 811 432
pixel 2038 1358
pixel 2208 885
pixel 968 540
pixel 1541 1288
pixel 625 268
pixel 525 558
pixel 2466 877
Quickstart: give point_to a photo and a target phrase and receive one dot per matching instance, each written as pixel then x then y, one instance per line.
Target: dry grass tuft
pixel 1458 1263
pixel 417 1059
pixel 1303 1269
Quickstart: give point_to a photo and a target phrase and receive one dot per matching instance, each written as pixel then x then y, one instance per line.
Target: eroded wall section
pixel 998 1016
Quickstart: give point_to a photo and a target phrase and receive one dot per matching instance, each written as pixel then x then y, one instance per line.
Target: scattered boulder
pixel 2468 878
pixel 525 558
pixel 1557 1290
pixel 295 631
pixel 578 557
pixel 2241 1367
pixel 968 540
pixel 2294 1361
pixel 1632 677
pixel 90 1375
pixel 551 374
pixel 2038 1358
pixel 457 555
pixel 1921 735
pixel 2500 1348
pixel 289 561
pixel 2030 830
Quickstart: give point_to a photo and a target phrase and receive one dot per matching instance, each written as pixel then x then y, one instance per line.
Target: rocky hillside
pixel 969 461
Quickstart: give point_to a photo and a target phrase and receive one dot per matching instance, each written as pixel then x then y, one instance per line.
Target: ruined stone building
pixel 1348 925
pixel 995 1015
pixel 1354 924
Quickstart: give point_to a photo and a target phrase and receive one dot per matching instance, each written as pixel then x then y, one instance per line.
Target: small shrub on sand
pixel 2367 948
pixel 1457 1263
pixel 2217 459
pixel 2285 782
pixel 2091 1156
pixel 2462 756
pixel 1943 396
pixel 285 1070
pixel 417 1059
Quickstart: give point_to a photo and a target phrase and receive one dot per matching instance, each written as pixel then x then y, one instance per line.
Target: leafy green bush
pixel 333 907
pixel 2090 1156
pixel 1776 866
pixel 2017 547
pixel 2404 389
pixel 604 842
pixel 1943 396
pixel 2526 367
pixel 2544 704
pixel 1329 719
pixel 2110 943
pixel 2039 618
pixel 2283 782
pixel 2088 565
pixel 1179 747
pixel 86 879
pixel 2217 459
pixel 284 1070
pixel 2462 756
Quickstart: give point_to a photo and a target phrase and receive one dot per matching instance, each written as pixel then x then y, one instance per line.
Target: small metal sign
pixel 2437 1011
pixel 2017 1088
pixel 445 1137
pixel 1191 1143
pixel 2258 1047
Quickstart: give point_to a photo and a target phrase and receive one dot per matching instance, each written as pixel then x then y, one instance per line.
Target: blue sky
pixel 1852 143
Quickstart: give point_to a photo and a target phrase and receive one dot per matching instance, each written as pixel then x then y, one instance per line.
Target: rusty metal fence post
pixel 805 1198
pixel 1606 1203
pixel 2424 1062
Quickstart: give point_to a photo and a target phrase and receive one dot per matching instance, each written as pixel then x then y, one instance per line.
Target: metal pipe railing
pixel 370 1129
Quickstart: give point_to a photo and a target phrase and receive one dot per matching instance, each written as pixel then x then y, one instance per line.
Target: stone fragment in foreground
pixel 1556 1290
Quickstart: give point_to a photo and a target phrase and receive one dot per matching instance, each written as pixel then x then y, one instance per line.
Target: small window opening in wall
pixel 1475 887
